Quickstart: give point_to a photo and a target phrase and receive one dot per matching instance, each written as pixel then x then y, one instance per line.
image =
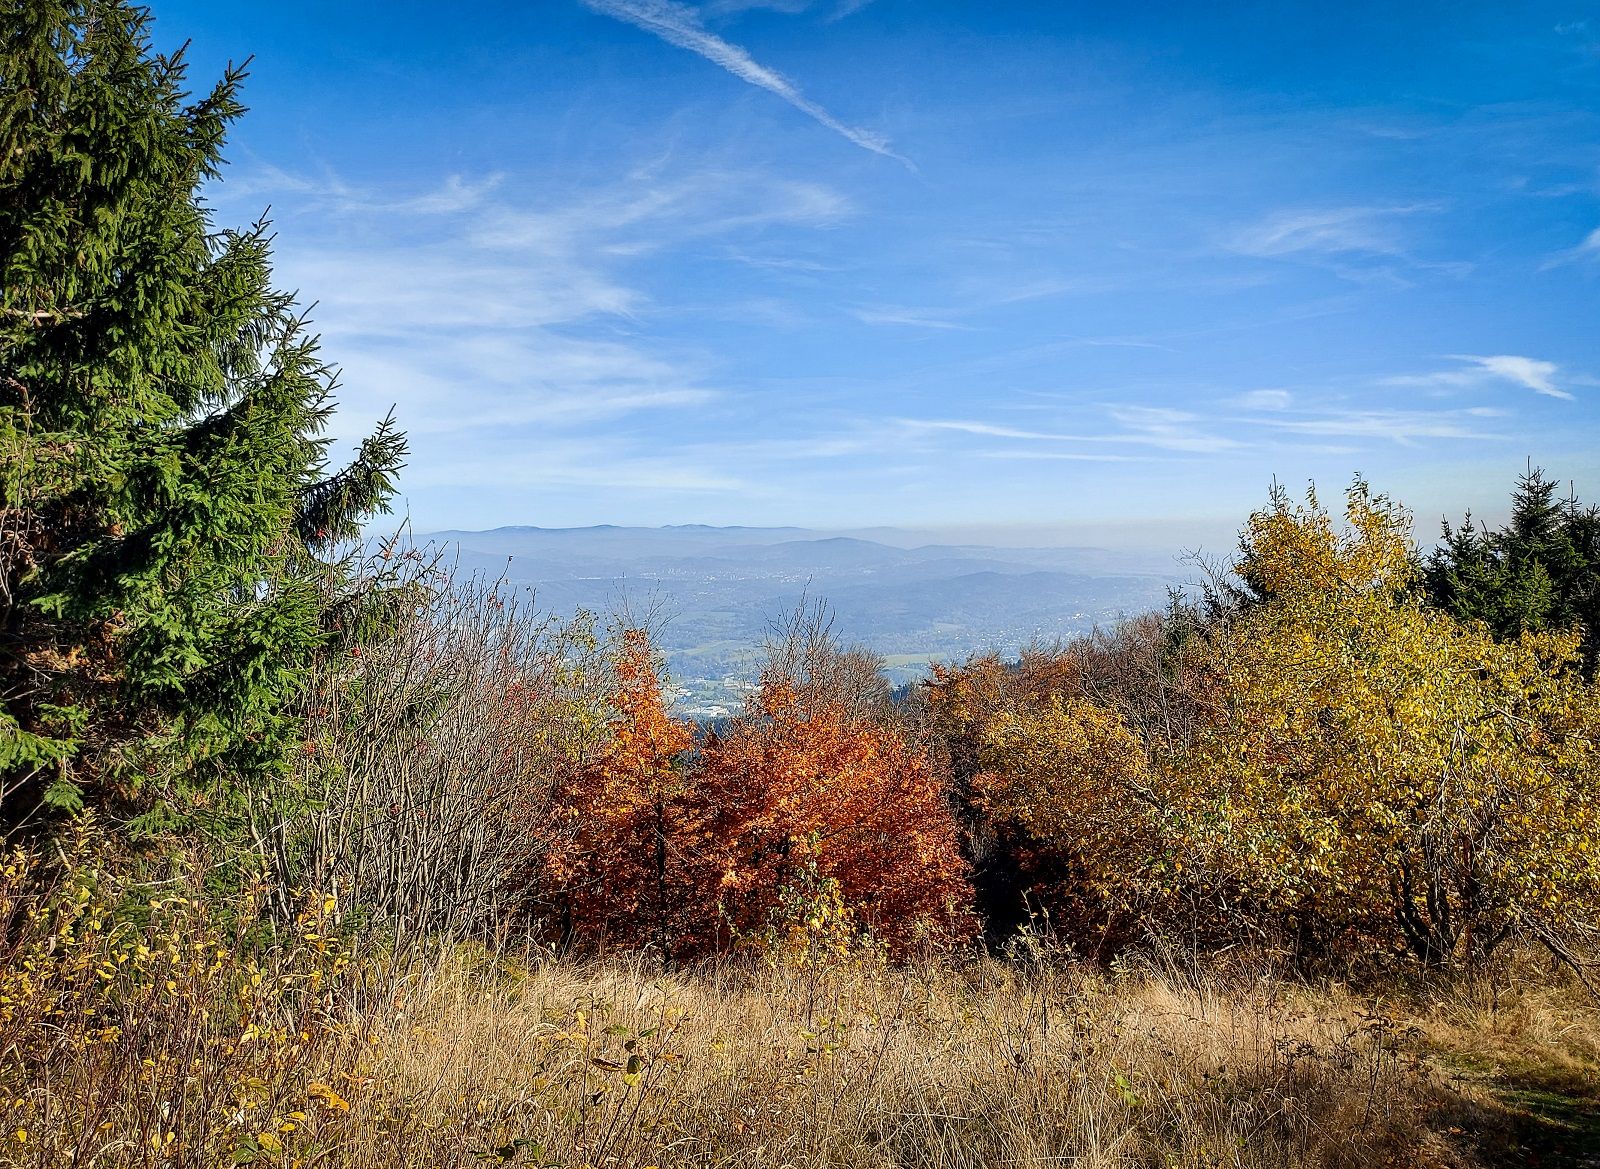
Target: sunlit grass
pixel 179 1041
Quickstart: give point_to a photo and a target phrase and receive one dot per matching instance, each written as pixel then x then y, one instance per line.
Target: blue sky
pixel 1110 268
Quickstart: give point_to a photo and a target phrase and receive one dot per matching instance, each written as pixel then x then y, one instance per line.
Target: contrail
pixel 680 25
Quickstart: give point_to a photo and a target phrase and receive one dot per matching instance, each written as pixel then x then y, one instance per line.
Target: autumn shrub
pixel 619 849
pixel 1319 761
pixel 422 789
pixel 803 795
pixel 809 809
pixel 1052 763
pixel 1068 772
pixel 141 1026
pixel 1374 764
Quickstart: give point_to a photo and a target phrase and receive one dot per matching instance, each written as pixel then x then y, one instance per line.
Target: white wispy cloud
pixel 989 430
pixel 847 8
pixel 1587 250
pixel 454 194
pixel 1442 379
pixel 1399 426
pixel 500 381
pixel 779 263
pixel 729 7
pixel 1366 244
pixel 642 216
pixel 915 318
pixel 1265 400
pixel 514 333
pixel 846 439
pixel 585 462
pixel 1536 375
pixel 1173 430
pixel 680 25
pixel 331 192
pixel 1064 456
pixel 1529 372
pixel 1328 230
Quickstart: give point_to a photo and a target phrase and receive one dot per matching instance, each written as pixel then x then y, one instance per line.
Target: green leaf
pixel 64 795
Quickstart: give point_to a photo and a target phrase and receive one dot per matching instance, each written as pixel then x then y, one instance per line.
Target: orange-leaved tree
pixel 814 799
pixel 614 834
pixel 809 812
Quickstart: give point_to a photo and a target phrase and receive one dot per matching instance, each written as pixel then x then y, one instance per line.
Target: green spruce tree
pixel 1540 571
pixel 169 523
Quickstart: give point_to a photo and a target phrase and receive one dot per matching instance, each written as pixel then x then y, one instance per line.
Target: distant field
pixel 898 661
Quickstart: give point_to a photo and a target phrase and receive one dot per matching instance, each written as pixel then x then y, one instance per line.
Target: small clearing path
pixel 1519 1110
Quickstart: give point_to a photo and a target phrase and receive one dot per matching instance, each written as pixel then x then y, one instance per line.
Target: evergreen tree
pixel 1541 571
pixel 168 518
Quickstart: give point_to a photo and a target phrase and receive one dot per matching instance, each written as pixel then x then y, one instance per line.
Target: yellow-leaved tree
pixel 1371 762
pixel 1069 771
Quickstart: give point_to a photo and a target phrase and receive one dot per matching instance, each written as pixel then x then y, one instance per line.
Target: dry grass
pixel 857 1065
pixel 176 1043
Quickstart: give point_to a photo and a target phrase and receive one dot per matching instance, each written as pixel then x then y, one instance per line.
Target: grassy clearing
pixel 170 1046
pixel 1519 1071
pixel 173 1037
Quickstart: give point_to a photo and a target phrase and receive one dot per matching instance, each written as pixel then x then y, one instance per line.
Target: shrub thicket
pixel 1328 761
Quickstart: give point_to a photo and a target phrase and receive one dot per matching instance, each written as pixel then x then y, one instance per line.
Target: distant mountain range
pixel 718 590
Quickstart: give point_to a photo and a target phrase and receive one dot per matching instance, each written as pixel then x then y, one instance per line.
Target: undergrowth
pixel 148 1030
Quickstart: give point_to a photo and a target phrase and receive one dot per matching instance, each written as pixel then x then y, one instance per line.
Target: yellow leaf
pixel 327 1097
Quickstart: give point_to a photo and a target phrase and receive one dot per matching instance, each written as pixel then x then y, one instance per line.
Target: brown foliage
pixel 616 833
pixel 806 791
pixel 807 798
pixel 428 760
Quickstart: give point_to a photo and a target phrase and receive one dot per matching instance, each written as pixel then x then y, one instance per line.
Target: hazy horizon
pixel 711 595
pixel 1151 536
pixel 1177 534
